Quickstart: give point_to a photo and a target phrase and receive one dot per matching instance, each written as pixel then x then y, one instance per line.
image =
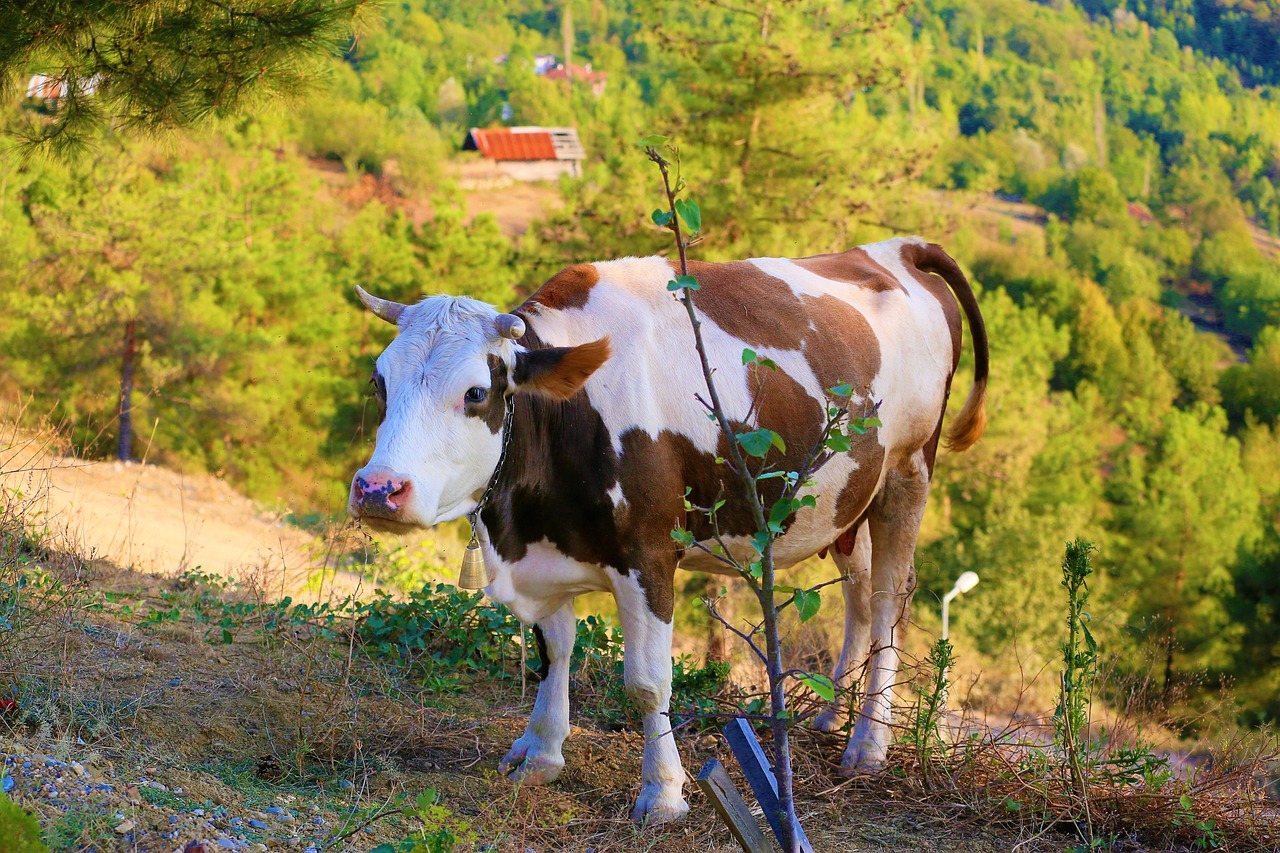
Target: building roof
pixel 576 72
pixel 525 143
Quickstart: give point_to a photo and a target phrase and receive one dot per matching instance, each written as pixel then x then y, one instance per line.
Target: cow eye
pixel 476 394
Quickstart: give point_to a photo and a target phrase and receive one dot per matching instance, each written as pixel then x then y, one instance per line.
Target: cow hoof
pixel 529 763
pixel 863 758
pixel 829 721
pixel 654 806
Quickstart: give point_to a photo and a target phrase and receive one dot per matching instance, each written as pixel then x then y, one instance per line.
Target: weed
pixel 924 734
pixel 441 830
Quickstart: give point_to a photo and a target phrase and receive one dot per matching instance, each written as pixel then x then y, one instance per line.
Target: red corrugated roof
pixel 503 144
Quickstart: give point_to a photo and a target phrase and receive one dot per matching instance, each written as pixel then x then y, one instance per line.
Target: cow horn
pixel 509 326
pixel 382 308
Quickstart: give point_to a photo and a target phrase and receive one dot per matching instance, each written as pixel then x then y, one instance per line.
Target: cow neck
pixel 508 417
pixel 555 481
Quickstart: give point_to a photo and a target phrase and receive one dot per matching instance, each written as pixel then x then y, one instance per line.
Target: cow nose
pixel 379 492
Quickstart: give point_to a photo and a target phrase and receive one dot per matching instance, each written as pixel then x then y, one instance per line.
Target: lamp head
pixel 966 582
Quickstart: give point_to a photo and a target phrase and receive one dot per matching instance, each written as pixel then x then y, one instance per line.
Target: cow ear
pixel 559 372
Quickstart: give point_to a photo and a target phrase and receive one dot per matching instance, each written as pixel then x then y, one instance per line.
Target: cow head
pixel 443 387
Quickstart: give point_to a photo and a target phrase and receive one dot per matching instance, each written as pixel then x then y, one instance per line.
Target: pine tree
pixel 157 64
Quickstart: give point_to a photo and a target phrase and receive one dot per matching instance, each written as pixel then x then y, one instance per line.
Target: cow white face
pixel 443 388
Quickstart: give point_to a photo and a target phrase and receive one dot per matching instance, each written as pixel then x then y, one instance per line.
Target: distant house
pixel 45 88
pixel 597 80
pixel 549 67
pixel 529 153
pixel 42 87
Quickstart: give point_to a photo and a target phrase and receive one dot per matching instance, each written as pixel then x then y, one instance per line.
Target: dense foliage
pixel 1097 175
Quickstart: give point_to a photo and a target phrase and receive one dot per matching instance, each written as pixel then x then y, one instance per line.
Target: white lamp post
pixel 964 583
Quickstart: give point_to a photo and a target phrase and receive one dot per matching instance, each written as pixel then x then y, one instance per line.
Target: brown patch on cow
pixel 852 267
pixel 560 372
pixel 857 493
pixel 494 408
pixel 746 302
pixel 784 406
pixel 569 288
pixel 841 347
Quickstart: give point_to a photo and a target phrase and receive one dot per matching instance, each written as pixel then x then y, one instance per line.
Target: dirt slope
pixel 160 521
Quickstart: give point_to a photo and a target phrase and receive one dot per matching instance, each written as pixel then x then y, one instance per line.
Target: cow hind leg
pixel 894 523
pixel 536 758
pixel 855 568
pixel 646 674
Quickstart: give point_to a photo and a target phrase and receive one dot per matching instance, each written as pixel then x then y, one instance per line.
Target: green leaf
pixel 689 214
pixel 661 217
pixel 1089 641
pixel 808 500
pixel 757 442
pixel 652 141
pixel 227 638
pixel 819 684
pixel 749 356
pixel 779 513
pixel 808 602
pixel 845 390
pixel 838 442
pixel 682 536
pixel 683 282
pixel 760 540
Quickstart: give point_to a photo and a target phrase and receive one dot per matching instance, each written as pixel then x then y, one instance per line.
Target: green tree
pixel 1184 508
pixel 1252 389
pixel 159 64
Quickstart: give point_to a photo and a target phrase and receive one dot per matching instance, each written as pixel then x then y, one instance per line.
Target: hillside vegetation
pixel 216 273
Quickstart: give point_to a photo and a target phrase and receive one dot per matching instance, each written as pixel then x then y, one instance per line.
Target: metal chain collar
pixel 474 515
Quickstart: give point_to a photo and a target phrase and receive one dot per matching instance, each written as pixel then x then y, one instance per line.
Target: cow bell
pixel 474 573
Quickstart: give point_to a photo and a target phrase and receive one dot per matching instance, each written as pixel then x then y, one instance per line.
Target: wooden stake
pixel 714 781
pixel 755 766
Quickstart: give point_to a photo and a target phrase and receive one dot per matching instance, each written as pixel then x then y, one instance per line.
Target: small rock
pixel 227 843
pixel 285 818
pixel 78 769
pixel 345 784
pixel 125 827
pixel 257 824
pixel 7 784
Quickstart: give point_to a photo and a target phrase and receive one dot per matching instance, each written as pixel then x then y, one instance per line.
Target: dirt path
pixel 162 522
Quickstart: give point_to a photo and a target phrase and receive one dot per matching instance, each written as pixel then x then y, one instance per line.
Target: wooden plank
pixel 759 772
pixel 714 781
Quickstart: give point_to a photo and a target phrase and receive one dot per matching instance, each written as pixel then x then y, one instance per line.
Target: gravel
pixel 163 820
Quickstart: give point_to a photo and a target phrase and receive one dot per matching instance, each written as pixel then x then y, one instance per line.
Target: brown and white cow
pixel 606 435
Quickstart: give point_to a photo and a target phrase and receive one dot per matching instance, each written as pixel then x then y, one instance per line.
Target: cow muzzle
pixel 377 492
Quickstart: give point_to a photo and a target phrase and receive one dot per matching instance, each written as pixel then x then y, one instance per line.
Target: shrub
pixel 19 832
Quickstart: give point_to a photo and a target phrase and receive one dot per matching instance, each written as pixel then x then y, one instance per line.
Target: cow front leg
pixel 646 676
pixel 535 758
pixel 855 568
pixel 894 524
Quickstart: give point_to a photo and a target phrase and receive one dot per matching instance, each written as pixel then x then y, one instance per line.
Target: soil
pixel 161 521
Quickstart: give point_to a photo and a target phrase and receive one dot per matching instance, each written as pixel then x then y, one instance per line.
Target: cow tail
pixel 967 427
